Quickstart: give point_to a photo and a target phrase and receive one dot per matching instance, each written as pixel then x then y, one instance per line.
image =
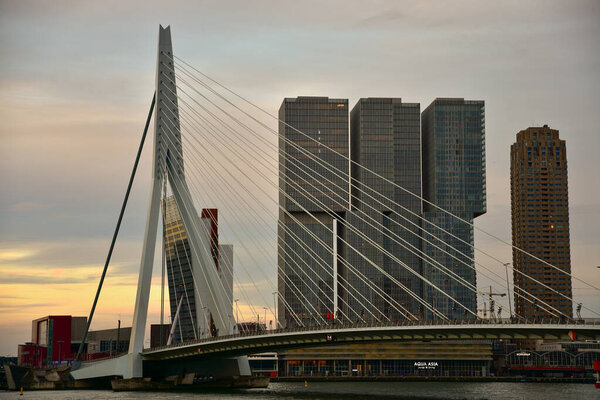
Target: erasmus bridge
pixel 195 118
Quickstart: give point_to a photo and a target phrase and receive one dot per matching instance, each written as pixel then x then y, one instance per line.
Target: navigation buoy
pixel 305 383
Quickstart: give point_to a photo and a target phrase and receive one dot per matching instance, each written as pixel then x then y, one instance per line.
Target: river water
pixel 350 391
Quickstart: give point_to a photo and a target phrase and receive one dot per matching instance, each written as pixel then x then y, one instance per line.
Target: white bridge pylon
pixel 168 164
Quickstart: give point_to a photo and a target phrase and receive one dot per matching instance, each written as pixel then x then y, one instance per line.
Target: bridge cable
pixel 421 257
pixel 169 166
pixel 209 165
pixel 409 249
pixel 282 226
pixel 517 294
pixel 413 252
pixel 364 236
pixel 116 233
pixel 374 173
pixel 368 239
pixel 238 182
pixel 368 170
pixel 406 289
pixel 163 268
pixel 180 242
pixel 414 296
pixel 249 303
pixel 217 119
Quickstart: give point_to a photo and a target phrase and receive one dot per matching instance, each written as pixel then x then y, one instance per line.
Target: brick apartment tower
pixel 540 221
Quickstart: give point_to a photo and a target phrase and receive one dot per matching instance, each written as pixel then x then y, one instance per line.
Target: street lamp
pixel 206 323
pixel 508 289
pixel 265 308
pixel 60 342
pixel 275 307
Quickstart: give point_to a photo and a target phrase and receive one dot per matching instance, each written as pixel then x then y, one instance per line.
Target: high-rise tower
pixel 194 319
pixel 540 222
pixel 453 145
pixel 313 182
pixel 385 140
pixel 179 273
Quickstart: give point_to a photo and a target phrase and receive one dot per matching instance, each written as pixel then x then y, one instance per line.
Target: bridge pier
pixel 164 374
pixel 215 368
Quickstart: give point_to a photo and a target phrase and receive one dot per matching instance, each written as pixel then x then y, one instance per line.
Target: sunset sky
pixel 76 80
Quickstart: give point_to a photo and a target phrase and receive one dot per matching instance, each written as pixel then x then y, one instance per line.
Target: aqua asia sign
pixel 426 364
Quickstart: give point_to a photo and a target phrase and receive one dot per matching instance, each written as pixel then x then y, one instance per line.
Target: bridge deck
pixel 257 342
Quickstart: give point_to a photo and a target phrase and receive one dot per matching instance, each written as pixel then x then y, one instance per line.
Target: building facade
pixel 194 319
pixel 385 140
pixel 406 358
pixel 178 258
pixel 106 342
pixel 540 223
pixel 313 182
pixel 453 146
pixel 55 340
pixel 384 231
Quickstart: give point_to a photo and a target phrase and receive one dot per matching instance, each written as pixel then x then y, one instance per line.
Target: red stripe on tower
pixel 213 215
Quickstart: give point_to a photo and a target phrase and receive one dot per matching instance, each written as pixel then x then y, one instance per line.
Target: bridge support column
pixel 168 162
pixel 140 313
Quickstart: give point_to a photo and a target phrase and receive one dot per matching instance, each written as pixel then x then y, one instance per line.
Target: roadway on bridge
pixel 244 344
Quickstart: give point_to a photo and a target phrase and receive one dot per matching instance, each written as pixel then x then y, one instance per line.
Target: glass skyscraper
pixel 312 197
pixel 194 318
pixel 386 143
pixel 381 232
pixel 178 258
pixel 453 147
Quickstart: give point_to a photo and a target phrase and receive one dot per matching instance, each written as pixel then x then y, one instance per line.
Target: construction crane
pixel 492 303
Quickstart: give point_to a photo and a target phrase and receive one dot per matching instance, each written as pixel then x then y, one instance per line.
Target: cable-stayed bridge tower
pixel 168 166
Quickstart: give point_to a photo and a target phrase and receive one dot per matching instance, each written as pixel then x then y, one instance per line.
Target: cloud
pixel 15 254
pixel 383 18
pixel 7 278
pixel 23 307
pixel 28 206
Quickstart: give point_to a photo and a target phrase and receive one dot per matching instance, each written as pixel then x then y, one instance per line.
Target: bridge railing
pixel 92 360
pixel 342 325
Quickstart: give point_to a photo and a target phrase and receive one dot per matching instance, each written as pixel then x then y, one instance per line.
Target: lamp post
pixel 60 342
pixel 508 289
pixel 275 307
pixel 265 308
pixel 206 322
